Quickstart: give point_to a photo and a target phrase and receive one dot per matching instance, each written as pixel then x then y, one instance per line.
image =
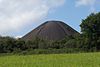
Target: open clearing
pixel 52 60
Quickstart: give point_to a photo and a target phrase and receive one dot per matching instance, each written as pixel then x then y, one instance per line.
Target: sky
pixel 18 17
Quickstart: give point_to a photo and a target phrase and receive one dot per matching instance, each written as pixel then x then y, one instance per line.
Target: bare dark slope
pixel 51 30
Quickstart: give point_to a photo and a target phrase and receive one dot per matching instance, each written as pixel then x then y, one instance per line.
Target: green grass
pixel 52 60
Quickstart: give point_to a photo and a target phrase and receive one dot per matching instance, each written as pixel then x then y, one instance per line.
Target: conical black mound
pixel 51 30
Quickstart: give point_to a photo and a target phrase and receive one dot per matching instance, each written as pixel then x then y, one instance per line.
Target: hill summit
pixel 51 30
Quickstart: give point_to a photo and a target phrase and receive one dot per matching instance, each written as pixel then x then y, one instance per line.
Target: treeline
pixel 87 41
pixel 38 46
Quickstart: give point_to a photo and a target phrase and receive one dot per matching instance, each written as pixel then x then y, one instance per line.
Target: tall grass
pixel 51 60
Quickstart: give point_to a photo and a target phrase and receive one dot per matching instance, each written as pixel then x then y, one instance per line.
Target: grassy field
pixel 52 60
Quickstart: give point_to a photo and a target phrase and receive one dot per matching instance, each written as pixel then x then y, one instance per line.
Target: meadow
pixel 51 60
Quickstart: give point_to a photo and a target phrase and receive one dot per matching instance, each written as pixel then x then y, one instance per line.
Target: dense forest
pixel 87 41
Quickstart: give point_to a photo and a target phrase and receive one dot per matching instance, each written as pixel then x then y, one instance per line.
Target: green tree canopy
pixel 90 28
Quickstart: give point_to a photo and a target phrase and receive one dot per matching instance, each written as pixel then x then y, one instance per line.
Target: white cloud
pixel 85 2
pixel 17 37
pixel 14 14
pixel 90 3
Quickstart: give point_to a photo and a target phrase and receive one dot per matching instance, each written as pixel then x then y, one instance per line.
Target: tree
pixel 6 44
pixel 90 28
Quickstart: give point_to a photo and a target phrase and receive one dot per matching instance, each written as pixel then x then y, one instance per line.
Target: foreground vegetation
pixel 51 60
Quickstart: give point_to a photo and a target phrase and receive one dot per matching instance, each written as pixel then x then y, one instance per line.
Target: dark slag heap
pixel 51 30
